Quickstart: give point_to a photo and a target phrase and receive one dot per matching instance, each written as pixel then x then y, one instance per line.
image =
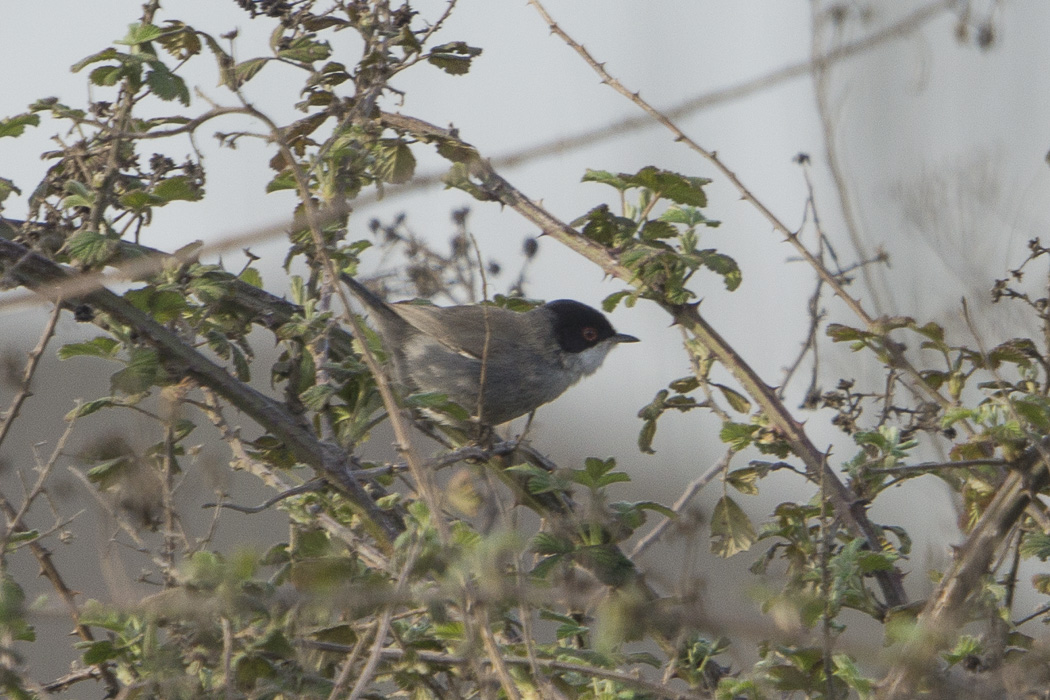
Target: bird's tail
pixel 369 298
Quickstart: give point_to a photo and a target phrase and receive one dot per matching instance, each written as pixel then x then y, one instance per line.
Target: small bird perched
pixel 527 359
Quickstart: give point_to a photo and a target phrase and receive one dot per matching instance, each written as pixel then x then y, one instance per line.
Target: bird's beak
pixel 623 338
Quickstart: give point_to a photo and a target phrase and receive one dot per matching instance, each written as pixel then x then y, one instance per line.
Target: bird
pixel 495 363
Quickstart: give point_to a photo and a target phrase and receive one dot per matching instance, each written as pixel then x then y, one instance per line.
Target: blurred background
pixel 926 127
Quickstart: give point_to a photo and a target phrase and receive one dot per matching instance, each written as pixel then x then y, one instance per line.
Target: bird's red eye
pixel 590 334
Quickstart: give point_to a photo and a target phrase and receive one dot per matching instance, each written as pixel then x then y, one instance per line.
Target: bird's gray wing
pixel 470 323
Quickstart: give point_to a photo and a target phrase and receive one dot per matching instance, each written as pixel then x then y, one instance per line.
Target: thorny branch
pixel 35 271
pixel 688 316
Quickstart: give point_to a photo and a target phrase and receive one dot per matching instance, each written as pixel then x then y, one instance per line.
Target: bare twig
pixel 368 672
pixel 939 466
pixel 68 597
pixel 32 362
pixel 690 492
pixel 312 485
pixel 227 658
pixel 73 677
pixel 368 553
pixel 432 657
pixel 821 77
pixel 14 524
pixel 893 350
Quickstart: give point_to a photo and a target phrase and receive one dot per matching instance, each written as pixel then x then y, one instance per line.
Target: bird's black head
pixel 578 327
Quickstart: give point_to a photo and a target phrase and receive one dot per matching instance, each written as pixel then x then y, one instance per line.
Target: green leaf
pixel 100 652
pixel 284 180
pixel 13 625
pixel 685 384
pixel 669 185
pixel 1035 544
pixel 458 176
pixel 610 302
pixel 687 216
pixel 601 225
pixel 142 372
pixel 86 409
pixel 607 563
pixel 316 397
pixel 655 230
pixel 103 55
pixel 408 40
pixel 106 76
pixel 840 333
pixel 846 670
pixel 738 435
pixel 645 437
pixel 165 305
pixel 1035 410
pixel 437 402
pixel 606 178
pixel 21 537
pixel 966 646
pixel 91 248
pixel 80 190
pixel 15 126
pixel 252 276
pixel 180 40
pixel 548 543
pixel 454 57
pixel 241 369
pixel 745 479
pixel 178 187
pixel 457 151
pixel 870 562
pixel 7 188
pixel 723 265
pixel 246 70
pixel 102 346
pixel 139 200
pixel 738 401
pixel 1018 351
pixel 395 162
pixel 306 50
pixel 110 472
pixel 932 331
pixel 731 529
pixel 538 480
pixel 597 473
pixel 139 33
pixel 166 85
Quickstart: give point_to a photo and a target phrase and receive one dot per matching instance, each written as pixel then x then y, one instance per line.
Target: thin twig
pixel 919 385
pixel 311 485
pixel 890 581
pixel 32 362
pixel 442 659
pixel 14 523
pixel 690 492
pixel 368 553
pixel 496 658
pixel 368 672
pixel 68 596
pixel 227 658
pixel 937 466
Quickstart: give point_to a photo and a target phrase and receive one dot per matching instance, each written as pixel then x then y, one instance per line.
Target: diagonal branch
pixel 34 271
pixel 688 316
pixel 946 610
pixel 894 350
